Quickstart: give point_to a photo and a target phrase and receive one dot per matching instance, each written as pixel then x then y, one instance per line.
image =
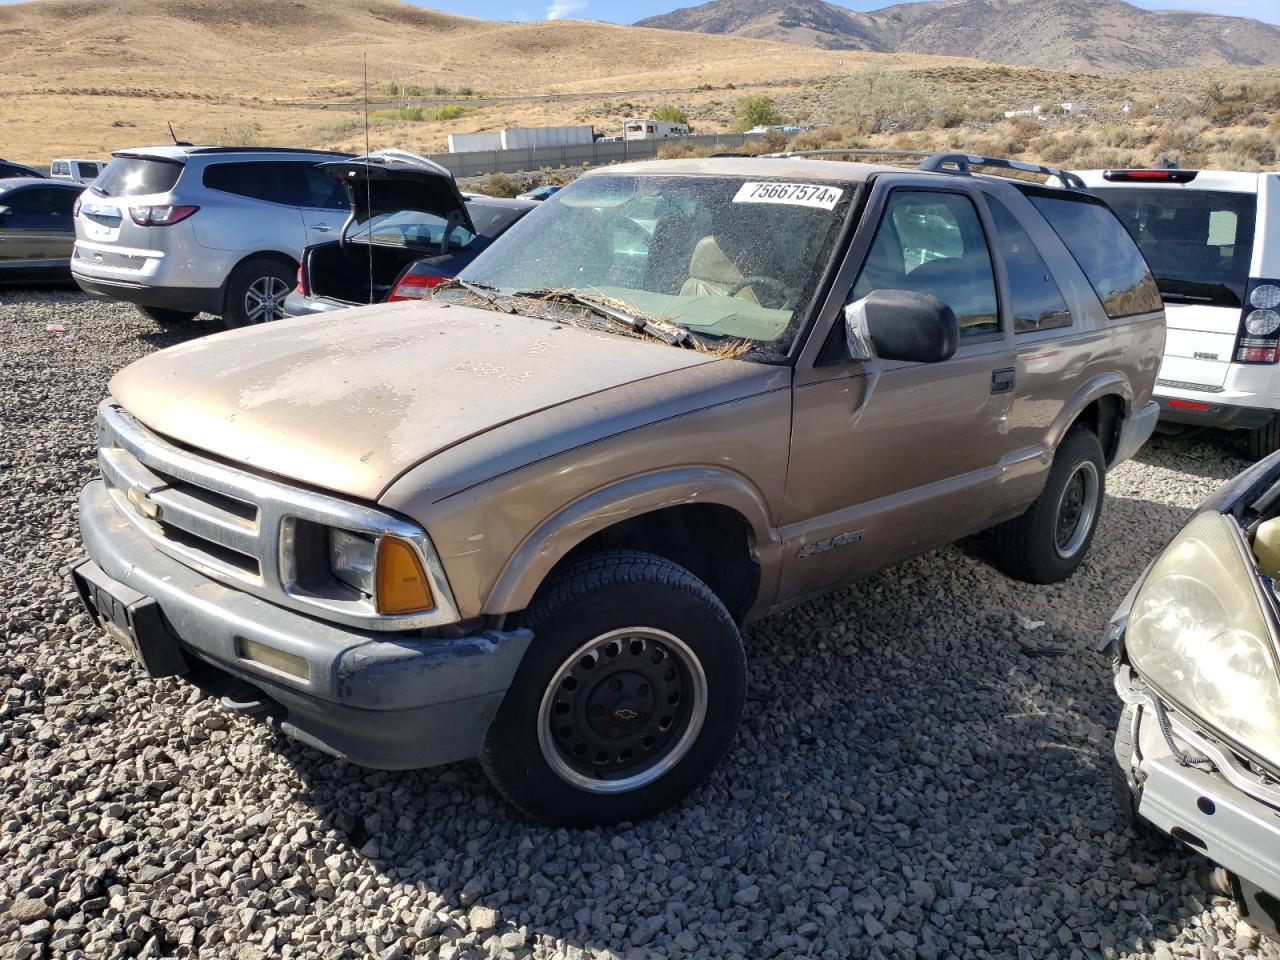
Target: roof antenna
pixel 368 189
pixel 176 141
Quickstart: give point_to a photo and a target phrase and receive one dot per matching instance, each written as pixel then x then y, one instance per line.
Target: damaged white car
pixel 1197 663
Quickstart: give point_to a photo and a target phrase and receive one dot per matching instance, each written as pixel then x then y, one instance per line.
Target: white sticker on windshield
pixel 799 194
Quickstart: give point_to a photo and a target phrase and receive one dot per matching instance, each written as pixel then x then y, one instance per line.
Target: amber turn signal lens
pixel 402 584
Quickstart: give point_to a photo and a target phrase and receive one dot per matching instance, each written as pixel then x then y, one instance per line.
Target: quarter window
pixel 1105 251
pixel 273 182
pixel 1036 303
pixel 930 242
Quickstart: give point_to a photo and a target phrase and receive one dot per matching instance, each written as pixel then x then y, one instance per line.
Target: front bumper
pixel 378 699
pixel 1220 809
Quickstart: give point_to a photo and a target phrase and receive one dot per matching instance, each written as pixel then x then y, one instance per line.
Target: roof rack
pixel 964 162
pixel 954 163
pixel 223 149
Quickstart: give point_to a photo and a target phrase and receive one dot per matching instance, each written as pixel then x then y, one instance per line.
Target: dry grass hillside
pixel 86 76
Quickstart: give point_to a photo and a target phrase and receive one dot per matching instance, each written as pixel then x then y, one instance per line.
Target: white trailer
pixel 638 128
pixel 471 142
pixel 518 138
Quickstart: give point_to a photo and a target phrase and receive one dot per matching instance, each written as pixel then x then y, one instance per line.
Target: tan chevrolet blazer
pixel 524 521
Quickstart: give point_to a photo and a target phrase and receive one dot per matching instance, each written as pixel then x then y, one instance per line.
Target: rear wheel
pixel 164 317
pixel 1265 440
pixel 628 697
pixel 256 292
pixel 1048 542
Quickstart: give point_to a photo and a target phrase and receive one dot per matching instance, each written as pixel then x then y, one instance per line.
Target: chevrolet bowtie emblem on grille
pixel 625 713
pixel 141 501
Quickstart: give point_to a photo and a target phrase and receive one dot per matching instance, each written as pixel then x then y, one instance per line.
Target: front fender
pixel 552 540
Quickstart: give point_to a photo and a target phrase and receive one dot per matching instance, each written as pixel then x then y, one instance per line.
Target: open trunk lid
pixel 388 181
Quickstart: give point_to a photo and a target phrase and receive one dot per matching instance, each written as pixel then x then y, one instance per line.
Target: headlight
pixel 1198 632
pixel 351 559
pixel 386 569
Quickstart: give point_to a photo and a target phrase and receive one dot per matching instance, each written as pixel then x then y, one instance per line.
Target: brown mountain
pixel 1099 35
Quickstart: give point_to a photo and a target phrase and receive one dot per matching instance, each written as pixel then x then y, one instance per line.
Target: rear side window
pixel 60 168
pixel 88 169
pixel 1199 242
pixel 137 176
pixel 930 242
pixel 1036 303
pixel 8 170
pixel 1105 252
pixel 259 180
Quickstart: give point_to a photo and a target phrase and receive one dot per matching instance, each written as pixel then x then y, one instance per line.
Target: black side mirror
pixel 901 325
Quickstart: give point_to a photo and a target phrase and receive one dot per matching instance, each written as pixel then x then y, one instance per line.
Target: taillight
pixel 1149 176
pixel 1259 339
pixel 415 286
pixel 302 280
pixel 161 215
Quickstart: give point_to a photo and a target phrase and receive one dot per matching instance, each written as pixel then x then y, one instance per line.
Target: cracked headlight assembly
pixel 1199 633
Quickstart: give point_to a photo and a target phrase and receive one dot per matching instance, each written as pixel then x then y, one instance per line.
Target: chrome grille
pixel 239 528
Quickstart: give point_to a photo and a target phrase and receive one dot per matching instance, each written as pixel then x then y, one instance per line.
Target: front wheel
pixel 256 291
pixel 628 697
pixel 1048 542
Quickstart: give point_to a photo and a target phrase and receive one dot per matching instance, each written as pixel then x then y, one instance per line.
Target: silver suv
pixel 179 230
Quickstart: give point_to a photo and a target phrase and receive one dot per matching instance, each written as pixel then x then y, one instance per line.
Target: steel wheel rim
pixel 1077 507
pixel 264 299
pixel 584 690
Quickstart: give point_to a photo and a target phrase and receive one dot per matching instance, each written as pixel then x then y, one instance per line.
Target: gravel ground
pixel 922 770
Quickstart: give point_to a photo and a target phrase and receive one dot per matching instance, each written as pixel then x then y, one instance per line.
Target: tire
pixel 1264 441
pixel 166 317
pixel 256 291
pixel 1034 547
pixel 603 631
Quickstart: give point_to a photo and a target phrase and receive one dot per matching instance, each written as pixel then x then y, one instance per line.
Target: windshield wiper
pixel 664 330
pixel 482 290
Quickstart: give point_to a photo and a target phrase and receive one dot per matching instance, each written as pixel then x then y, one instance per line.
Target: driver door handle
pixel 1002 380
pixel 321 227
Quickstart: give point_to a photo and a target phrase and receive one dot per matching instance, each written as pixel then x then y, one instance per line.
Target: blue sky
pixel 633 10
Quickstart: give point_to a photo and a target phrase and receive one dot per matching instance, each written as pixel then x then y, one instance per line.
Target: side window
pixel 272 182
pixel 323 192
pixel 933 243
pixel 60 168
pixel 62 202
pixel 1036 302
pixel 1105 251
pixel 37 202
pixel 88 169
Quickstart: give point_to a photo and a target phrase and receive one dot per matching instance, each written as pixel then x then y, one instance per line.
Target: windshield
pixel 1199 243
pixel 722 256
pixel 136 177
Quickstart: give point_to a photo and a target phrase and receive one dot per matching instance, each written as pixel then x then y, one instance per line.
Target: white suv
pixel 1212 238
pixel 179 230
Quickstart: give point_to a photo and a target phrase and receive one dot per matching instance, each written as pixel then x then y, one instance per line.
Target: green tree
pixel 758 111
pixel 670 113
